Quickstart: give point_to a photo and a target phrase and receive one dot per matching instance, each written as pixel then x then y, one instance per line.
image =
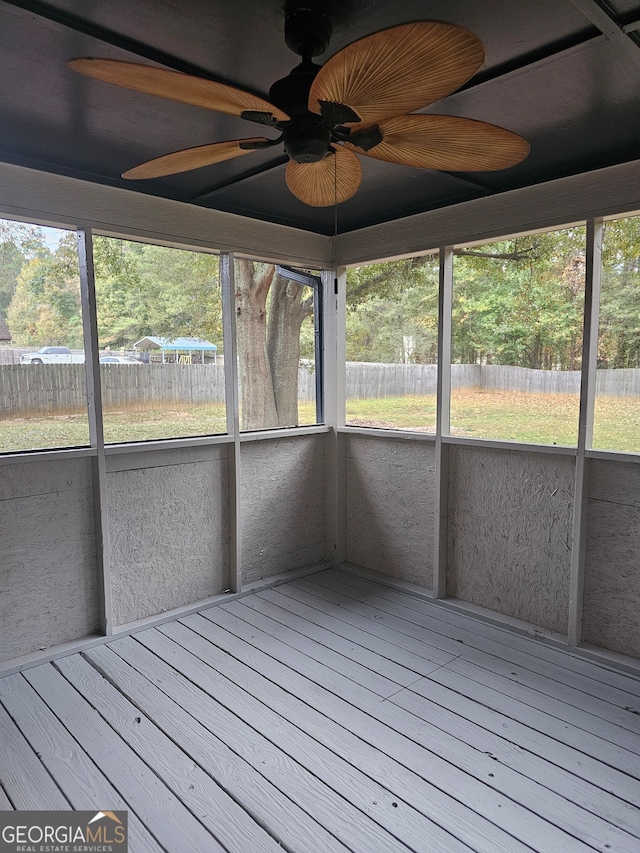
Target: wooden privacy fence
pixel 366 380
pixel 59 389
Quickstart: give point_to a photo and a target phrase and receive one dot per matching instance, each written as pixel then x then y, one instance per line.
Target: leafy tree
pixel 45 308
pixel 19 243
pixel 619 333
pixel 389 304
pixel 145 290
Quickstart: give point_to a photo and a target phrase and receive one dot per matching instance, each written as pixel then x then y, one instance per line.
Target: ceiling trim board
pixel 43 197
pixel 604 192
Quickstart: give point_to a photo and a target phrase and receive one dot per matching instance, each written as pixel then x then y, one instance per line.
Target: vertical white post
pixel 227 283
pixel 593 270
pixel 443 423
pixel 96 434
pixel 334 284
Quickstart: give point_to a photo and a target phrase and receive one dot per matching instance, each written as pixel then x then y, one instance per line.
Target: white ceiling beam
pixel 617 34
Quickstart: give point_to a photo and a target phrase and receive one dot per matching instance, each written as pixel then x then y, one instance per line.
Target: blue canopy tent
pixel 182 347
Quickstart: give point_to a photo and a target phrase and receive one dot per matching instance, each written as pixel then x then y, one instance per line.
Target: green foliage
pixel 520 301
pixel 45 307
pixel 392 311
pixel 19 243
pixel 155 290
pixel 517 302
pixel 619 333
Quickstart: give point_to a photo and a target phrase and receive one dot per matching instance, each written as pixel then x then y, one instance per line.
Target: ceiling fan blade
pixel 176 86
pixel 447 143
pixel 330 181
pixel 192 158
pixel 398 70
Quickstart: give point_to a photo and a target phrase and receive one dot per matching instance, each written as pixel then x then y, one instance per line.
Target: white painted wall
pixel 168 523
pixel 390 491
pixel 48 576
pixel 612 572
pixel 282 511
pixel 509 537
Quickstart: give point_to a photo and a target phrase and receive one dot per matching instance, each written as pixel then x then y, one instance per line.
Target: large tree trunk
pixel 257 400
pixel 286 313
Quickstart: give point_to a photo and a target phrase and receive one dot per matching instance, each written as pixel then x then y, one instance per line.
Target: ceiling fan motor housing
pixel 307 143
pixel 305 139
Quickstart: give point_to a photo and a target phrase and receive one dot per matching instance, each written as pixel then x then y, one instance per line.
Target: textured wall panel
pixel 612 572
pixel 169 530
pixel 48 572
pixel 390 486
pixel 281 504
pixel 510 528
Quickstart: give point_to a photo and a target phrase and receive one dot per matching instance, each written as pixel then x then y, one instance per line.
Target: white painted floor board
pixel 576 821
pixel 475 749
pixel 539 691
pixel 78 776
pixel 571 665
pixel 331 715
pixel 552 673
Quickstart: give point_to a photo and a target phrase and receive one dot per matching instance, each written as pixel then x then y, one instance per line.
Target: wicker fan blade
pixel 191 158
pixel 331 181
pixel 398 70
pixel 175 86
pixel 448 143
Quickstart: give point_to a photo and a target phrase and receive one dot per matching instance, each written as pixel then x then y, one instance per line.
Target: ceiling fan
pixel 361 101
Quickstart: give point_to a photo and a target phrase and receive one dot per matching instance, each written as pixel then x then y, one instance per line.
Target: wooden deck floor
pixel 331 714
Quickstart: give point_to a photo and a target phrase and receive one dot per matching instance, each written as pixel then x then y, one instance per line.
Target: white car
pixel 53 355
pixel 118 359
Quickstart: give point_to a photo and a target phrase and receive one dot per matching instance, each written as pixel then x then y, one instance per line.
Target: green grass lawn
pixel 506 415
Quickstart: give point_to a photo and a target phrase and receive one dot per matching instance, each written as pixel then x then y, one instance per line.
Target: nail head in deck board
pixel 510 517
pixel 157 807
pixel 566 730
pixel 390 489
pixel 282 817
pixel 76 774
pixel 337 814
pixel 23 775
pixel 452 783
pixel 220 814
pixel 282 504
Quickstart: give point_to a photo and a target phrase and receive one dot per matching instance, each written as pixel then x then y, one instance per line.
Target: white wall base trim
pixel 17 664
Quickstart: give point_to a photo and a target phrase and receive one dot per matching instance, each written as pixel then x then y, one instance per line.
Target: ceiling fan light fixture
pixel 307 143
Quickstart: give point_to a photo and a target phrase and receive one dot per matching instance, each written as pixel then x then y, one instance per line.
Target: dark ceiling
pixel 565 74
